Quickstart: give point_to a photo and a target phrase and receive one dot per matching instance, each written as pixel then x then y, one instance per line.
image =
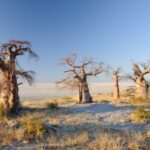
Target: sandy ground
pixel 107 114
pixel 104 114
pixel 73 119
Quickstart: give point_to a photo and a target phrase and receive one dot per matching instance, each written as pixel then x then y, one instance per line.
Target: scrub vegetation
pixel 117 121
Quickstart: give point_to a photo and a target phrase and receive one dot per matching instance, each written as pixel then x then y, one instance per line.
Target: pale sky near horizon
pixel 114 31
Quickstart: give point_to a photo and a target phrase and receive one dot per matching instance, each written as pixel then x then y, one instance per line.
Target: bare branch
pixel 68 82
pixel 79 71
pixel 139 72
pixel 146 70
pixel 96 71
pixel 68 71
pixel 136 69
pixel 18 47
pixel 20 83
pixel 28 75
pixel 117 71
pixel 70 60
pixel 130 77
pixel 87 61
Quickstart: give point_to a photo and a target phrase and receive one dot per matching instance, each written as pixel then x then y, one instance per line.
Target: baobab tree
pixel 70 82
pixel 147 84
pixel 141 86
pixel 11 70
pixel 116 78
pixel 78 74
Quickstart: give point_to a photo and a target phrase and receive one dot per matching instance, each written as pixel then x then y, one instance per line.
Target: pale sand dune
pixel 41 91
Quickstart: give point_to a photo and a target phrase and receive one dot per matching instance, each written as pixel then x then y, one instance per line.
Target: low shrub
pixel 141 114
pixel 51 105
pixel 32 126
pixel 138 100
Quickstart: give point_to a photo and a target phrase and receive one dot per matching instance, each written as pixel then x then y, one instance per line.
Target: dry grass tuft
pixel 67 98
pixel 138 101
pixel 106 141
pixel 91 137
pixel 2 112
pixel 140 115
pixel 81 139
pixel 9 135
pixel 32 125
pixel 100 141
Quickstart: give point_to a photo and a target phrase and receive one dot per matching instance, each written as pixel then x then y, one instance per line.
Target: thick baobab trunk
pixel 147 89
pixel 86 97
pixel 14 96
pixel 5 96
pixel 116 88
pixel 80 93
pixel 140 89
pixel 9 93
pixel 140 83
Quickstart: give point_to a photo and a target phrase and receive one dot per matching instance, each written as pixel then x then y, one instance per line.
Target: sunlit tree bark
pixel 116 78
pixel 10 71
pixel 141 87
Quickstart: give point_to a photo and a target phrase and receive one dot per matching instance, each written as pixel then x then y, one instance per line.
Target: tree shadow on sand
pixel 95 108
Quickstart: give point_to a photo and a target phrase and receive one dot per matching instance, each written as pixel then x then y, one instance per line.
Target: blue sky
pixel 114 31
